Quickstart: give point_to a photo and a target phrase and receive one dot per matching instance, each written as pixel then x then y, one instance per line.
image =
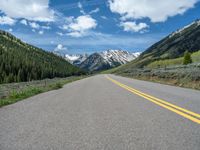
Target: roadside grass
pixel 109 71
pixel 171 62
pixel 181 75
pixel 185 82
pixel 15 95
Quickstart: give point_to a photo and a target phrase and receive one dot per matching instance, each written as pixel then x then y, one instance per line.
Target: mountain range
pixel 102 60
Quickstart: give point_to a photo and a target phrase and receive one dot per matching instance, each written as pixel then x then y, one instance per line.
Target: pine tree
pixel 187 58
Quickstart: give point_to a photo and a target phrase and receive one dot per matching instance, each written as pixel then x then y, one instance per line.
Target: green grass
pixel 171 62
pixel 16 96
pixel 110 70
pixel 31 90
pixel 196 57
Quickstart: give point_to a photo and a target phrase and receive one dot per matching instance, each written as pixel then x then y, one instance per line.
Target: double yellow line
pixel 176 109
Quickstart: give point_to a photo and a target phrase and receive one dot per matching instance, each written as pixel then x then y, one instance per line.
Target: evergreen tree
pixel 187 58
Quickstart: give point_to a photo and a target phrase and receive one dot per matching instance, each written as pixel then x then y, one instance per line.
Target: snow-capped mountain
pixel 107 59
pixel 102 60
pixel 119 56
pixel 76 59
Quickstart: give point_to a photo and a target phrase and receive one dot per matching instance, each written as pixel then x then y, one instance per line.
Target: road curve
pixel 104 112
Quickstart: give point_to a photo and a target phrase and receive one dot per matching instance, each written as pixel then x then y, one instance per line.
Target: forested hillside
pixel 22 62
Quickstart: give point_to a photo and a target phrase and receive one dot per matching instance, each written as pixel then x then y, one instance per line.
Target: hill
pixel 23 62
pixel 172 46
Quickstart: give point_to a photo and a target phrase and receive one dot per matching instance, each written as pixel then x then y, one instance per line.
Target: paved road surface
pixel 97 114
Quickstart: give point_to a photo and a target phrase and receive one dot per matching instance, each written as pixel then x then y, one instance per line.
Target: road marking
pixel 176 109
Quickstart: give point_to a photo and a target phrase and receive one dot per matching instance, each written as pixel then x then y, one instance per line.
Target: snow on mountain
pixel 76 59
pixel 136 54
pixel 197 22
pixel 72 57
pixel 102 60
pixel 107 59
pixel 119 56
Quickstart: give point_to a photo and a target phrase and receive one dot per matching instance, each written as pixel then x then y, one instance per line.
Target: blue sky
pixel 86 26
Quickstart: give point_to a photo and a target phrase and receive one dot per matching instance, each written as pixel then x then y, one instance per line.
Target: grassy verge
pixel 25 90
pixel 185 83
pixel 182 75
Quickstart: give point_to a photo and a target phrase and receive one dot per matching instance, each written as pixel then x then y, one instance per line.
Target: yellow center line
pixel 176 109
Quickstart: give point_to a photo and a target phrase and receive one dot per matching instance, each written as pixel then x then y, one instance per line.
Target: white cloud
pixel 35 10
pixel 69 19
pixel 64 27
pixel 5 20
pixel 80 5
pixel 34 25
pixel 76 34
pixel 60 47
pixel 10 30
pixel 46 27
pixel 83 23
pixel 78 27
pixel 94 11
pixel 24 22
pixel 60 33
pixel 133 27
pixel 104 17
pixel 81 8
pixel 41 32
pixel 155 10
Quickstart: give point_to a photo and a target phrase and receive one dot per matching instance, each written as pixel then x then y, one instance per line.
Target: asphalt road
pixel 99 113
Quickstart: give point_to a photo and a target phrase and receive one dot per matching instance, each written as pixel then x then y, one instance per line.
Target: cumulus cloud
pixel 34 25
pixel 155 10
pixel 34 10
pixel 133 27
pixel 60 47
pixel 24 22
pixel 78 27
pixel 5 20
